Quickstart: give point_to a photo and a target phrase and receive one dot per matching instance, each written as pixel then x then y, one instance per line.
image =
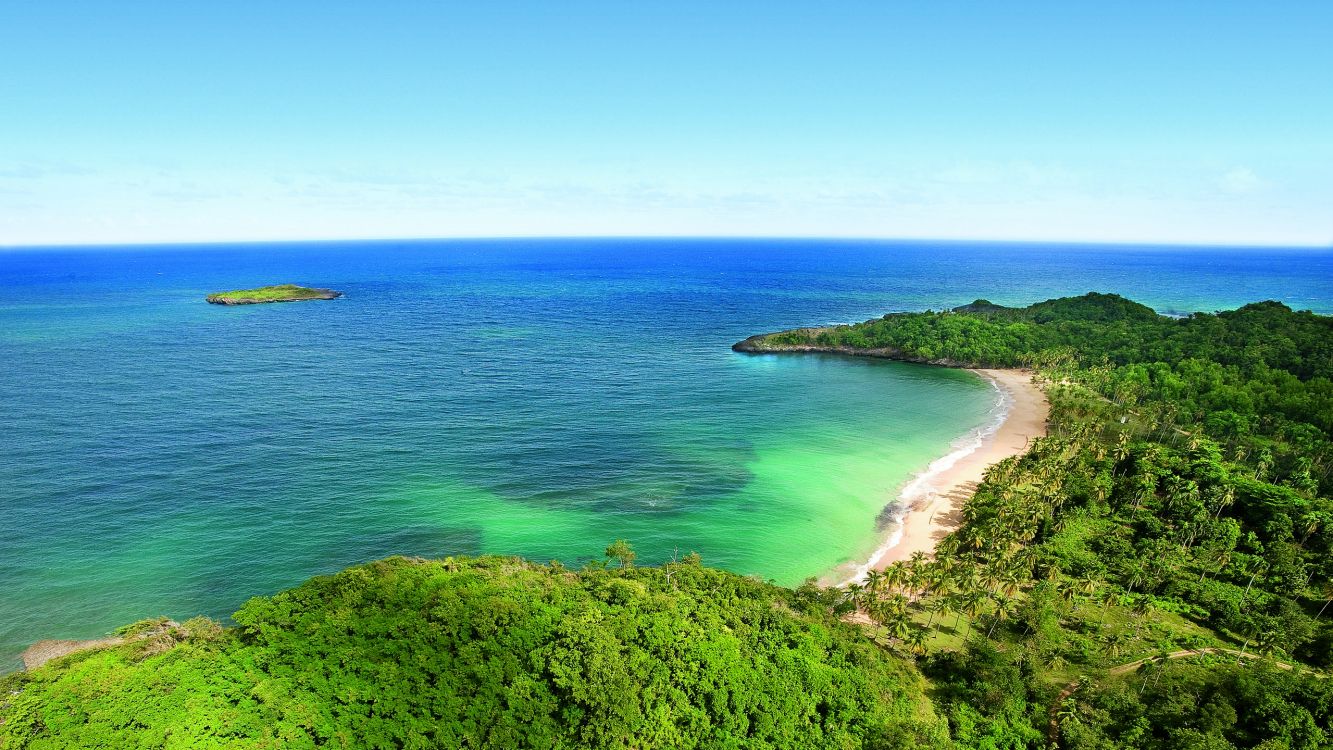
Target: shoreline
pixel 928 506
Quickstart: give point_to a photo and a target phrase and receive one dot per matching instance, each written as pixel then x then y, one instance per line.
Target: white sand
pixel 937 496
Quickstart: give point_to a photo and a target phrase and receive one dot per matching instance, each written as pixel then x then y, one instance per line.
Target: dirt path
pixel 1053 729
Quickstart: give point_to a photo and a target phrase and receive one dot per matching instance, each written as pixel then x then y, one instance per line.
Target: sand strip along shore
pixel 934 499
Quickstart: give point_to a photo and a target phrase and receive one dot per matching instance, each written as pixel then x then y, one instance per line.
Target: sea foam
pixel 925 483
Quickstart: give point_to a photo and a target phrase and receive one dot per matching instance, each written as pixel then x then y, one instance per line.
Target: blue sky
pixel 182 121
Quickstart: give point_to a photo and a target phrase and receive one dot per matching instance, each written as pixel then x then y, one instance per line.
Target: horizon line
pixel 687 237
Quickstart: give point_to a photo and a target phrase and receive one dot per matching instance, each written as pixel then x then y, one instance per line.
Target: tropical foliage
pixel 490 652
pixel 1180 502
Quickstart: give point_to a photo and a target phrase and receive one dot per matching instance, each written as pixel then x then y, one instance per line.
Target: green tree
pixel 621 551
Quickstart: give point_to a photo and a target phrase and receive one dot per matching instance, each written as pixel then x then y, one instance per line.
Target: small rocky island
pixel 265 294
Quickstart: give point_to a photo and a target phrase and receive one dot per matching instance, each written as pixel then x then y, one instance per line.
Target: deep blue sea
pixel 537 397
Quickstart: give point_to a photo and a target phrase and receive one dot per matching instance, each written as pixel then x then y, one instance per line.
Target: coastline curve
pixel 928 506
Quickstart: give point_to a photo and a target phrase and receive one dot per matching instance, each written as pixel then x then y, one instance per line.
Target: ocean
pixel 163 456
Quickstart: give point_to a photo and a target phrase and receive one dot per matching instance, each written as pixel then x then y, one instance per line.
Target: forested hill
pixel 1180 505
pixel 1229 369
pixel 489 653
pixel 982 334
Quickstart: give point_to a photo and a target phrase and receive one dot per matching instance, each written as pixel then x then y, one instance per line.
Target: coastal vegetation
pixel 277 293
pixel 1156 572
pixel 1177 518
pixel 490 652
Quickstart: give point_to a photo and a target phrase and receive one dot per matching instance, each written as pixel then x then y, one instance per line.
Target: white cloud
pixel 980 199
pixel 1008 173
pixel 971 173
pixel 1242 181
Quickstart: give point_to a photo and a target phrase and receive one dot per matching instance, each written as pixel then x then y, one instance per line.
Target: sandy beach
pixel 937 497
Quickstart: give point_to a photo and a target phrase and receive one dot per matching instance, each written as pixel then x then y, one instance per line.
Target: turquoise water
pixel 165 456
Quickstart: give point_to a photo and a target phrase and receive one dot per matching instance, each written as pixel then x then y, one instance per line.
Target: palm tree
pixel 944 584
pixel 1086 586
pixel 1327 590
pixel 1024 562
pixel 895 576
pixel 1121 450
pixel 1254 571
pixel 1266 643
pixel 971 604
pixel 874 580
pixel 1068 712
pixel 1109 596
pixel 853 594
pixel 1310 523
pixel 1065 589
pixel 992 578
pixel 1004 609
pixel 1227 498
pixel 977 541
pixel 945 606
pixel 1055 661
pixel 1137 577
pixel 931 605
pixel 879 612
pixel 916 577
pixel 1114 646
pixel 917 640
pixel 1219 558
pixel 900 625
pixel 1155 667
pixel 1264 463
pixel 945 550
pixel 1250 630
pixel 968 580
